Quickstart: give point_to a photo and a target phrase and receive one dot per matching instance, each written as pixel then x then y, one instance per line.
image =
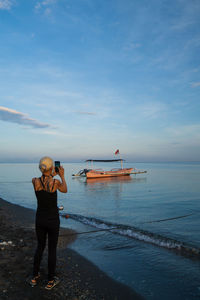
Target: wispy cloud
pixel 182 24
pixel 11 115
pixel 56 133
pixel 152 110
pixel 195 84
pixel 189 15
pixel 185 131
pixel 45 6
pixel 6 4
pixel 132 46
pixel 43 3
pixel 86 113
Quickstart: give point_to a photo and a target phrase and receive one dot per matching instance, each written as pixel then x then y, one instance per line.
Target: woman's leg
pixel 53 233
pixel 41 233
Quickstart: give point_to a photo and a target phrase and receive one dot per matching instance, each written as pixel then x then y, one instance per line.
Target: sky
pixel 80 79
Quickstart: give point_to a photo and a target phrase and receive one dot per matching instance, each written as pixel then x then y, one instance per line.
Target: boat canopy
pixel 104 160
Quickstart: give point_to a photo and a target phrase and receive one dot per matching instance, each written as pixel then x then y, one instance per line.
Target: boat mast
pixel 121 161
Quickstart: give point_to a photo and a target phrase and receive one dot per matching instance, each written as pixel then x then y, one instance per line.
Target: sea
pixel 142 230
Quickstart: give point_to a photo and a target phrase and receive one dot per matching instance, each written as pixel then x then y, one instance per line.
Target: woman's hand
pixel 54 172
pixel 61 171
pixel 63 185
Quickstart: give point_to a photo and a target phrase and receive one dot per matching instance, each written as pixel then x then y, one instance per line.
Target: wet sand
pixel 80 279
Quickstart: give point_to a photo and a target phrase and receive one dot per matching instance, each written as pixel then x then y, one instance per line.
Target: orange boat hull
pixel 103 174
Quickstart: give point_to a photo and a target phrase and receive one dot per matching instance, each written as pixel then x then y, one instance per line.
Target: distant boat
pixel 81 173
pixel 99 173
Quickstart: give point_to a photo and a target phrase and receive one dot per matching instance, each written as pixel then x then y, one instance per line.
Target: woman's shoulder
pixel 56 184
pixel 36 182
pixel 57 181
pixel 34 179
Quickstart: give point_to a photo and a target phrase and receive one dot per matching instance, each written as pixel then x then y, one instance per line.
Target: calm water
pixel 155 246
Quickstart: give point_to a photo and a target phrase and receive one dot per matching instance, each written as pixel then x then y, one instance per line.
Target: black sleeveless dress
pixel 47 207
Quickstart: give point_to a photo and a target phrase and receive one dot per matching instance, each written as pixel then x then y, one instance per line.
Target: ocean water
pixel 143 230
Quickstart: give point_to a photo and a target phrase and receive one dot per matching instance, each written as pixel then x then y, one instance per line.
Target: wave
pixel 138 234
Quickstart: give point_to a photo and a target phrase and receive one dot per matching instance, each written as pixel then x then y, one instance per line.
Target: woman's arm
pixel 36 184
pixel 33 182
pixel 62 187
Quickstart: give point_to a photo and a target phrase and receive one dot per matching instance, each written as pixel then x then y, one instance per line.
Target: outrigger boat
pixel 99 173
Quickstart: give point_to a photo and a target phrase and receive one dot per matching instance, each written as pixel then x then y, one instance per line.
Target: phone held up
pixel 57 166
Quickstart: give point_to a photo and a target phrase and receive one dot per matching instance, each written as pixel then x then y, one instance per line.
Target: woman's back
pixel 46 194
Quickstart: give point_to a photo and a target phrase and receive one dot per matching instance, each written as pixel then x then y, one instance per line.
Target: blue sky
pixel 82 78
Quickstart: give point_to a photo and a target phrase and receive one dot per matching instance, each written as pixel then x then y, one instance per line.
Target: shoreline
pixel 80 279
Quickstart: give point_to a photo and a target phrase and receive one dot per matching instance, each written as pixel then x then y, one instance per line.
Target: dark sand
pixel 80 279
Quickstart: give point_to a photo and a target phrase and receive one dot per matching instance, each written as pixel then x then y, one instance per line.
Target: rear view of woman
pixel 47 218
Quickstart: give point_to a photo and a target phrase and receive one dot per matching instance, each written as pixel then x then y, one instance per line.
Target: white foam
pixel 138 234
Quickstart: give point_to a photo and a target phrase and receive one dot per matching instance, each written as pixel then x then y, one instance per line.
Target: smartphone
pixel 57 166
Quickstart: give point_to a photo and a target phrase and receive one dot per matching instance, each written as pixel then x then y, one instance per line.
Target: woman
pixel 47 218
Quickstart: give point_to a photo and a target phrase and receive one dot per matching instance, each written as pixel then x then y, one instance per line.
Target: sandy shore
pixel 80 279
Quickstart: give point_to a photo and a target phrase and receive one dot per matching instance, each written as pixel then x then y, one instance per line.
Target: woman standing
pixel 47 218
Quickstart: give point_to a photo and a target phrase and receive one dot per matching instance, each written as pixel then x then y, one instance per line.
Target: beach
pixel 80 279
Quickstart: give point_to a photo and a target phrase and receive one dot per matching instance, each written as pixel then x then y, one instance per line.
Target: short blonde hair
pixel 46 163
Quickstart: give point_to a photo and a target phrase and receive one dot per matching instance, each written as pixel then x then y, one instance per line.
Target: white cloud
pixel 6 4
pixel 11 115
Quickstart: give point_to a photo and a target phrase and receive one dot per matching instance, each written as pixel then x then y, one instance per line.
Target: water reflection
pixel 110 192
pixel 113 180
pixel 109 180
